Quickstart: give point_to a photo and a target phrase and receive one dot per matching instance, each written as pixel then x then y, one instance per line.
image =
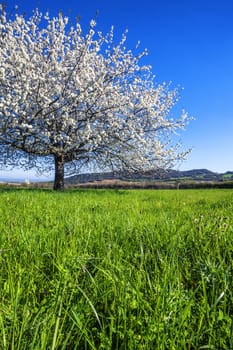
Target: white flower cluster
pixel 79 96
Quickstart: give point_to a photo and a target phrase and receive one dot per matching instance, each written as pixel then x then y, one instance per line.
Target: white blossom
pixel 80 98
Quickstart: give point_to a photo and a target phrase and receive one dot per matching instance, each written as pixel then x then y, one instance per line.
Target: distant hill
pixel 168 175
pixel 150 177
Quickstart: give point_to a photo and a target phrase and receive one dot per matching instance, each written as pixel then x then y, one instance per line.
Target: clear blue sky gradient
pixel 190 43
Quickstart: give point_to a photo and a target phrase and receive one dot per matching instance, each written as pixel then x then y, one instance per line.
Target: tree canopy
pixel 70 99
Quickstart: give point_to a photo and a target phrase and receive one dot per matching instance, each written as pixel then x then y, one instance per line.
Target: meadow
pixel 116 269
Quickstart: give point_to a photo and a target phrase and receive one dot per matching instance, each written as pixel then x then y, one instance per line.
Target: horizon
pixel 34 178
pixel 190 44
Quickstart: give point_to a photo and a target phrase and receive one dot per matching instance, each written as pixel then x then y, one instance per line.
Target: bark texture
pixel 59 173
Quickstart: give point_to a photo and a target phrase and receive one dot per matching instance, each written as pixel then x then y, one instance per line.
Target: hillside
pixel 169 175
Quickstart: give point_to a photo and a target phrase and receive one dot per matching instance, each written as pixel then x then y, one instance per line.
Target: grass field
pixel 96 269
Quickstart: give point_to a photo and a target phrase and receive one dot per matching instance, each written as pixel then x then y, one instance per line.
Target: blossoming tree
pixel 69 99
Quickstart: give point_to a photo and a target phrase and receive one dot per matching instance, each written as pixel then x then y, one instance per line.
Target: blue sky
pixel 190 43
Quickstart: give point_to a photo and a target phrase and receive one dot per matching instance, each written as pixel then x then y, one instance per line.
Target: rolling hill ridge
pixel 168 175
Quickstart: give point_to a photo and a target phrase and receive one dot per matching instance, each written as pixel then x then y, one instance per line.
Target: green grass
pixel 95 269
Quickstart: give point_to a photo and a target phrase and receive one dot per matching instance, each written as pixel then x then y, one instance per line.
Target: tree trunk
pixel 59 173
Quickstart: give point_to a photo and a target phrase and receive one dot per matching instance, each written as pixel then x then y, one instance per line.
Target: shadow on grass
pixel 97 191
